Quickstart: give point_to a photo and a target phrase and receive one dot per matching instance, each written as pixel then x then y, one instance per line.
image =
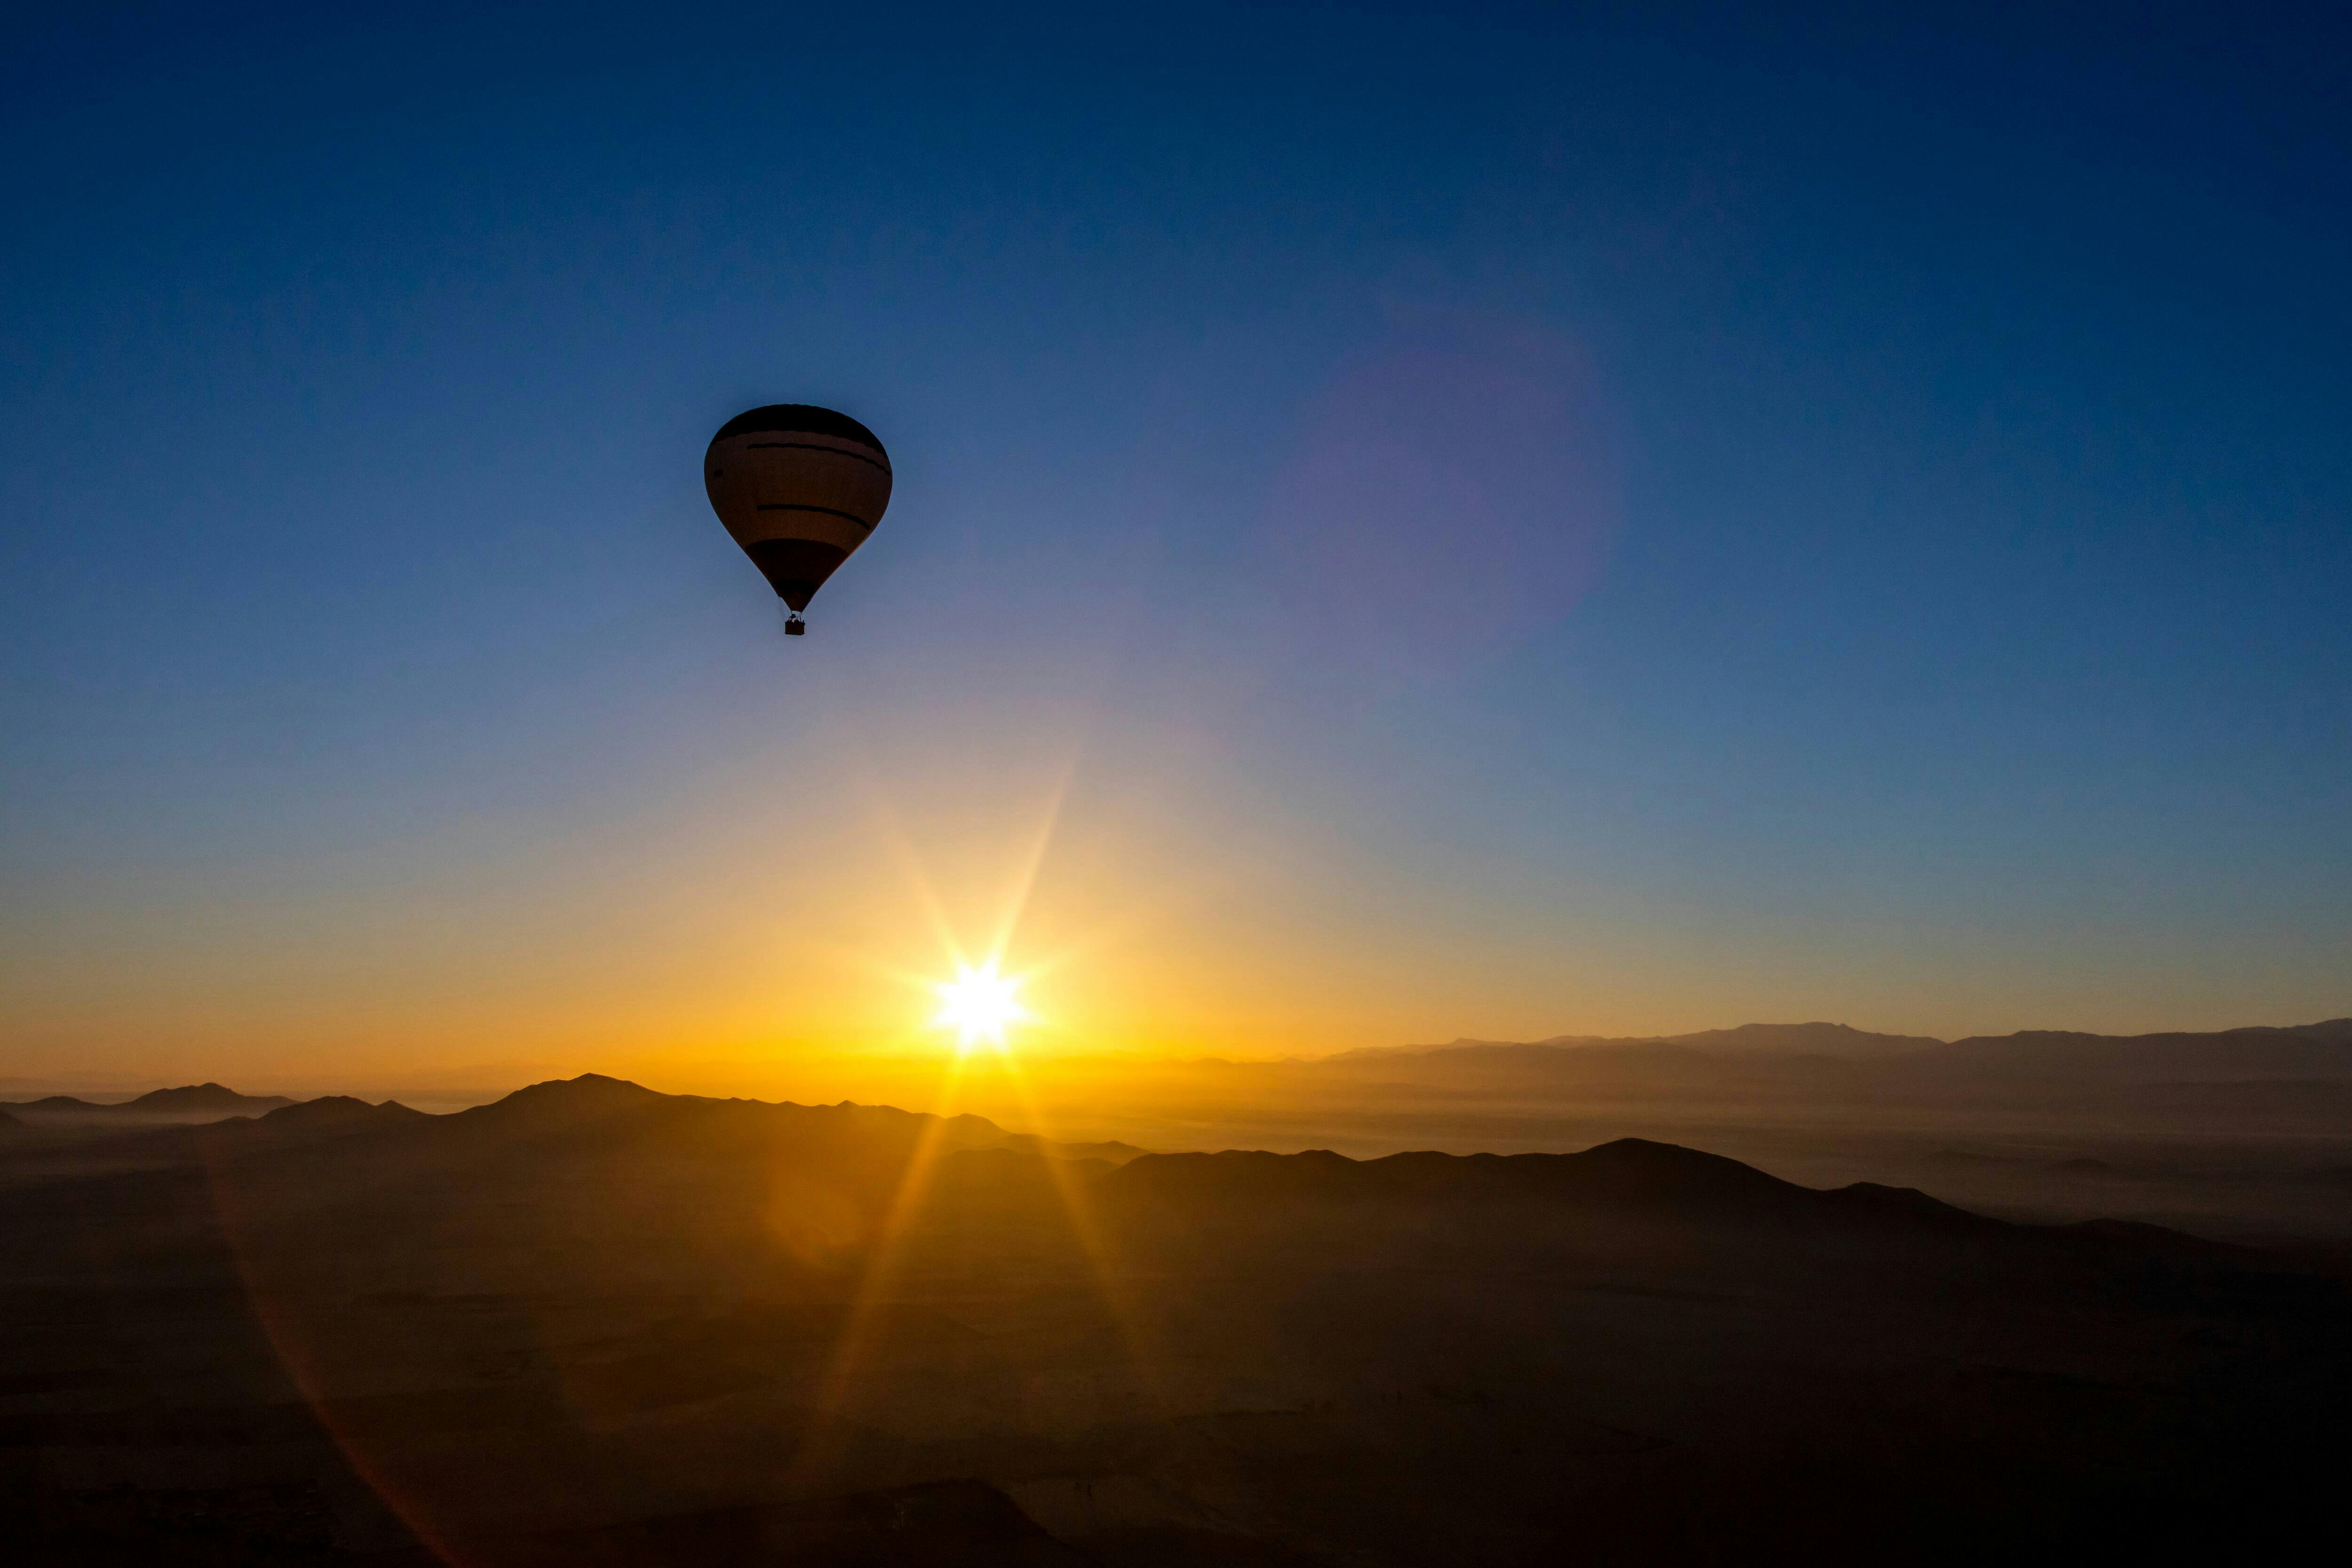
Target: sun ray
pixel 1126 1309
pixel 981 1005
pixel 1024 877
pixel 885 1259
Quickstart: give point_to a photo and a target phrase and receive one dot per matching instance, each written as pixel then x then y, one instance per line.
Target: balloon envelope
pixel 799 487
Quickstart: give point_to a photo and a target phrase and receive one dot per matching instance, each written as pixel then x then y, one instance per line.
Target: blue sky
pixel 1493 522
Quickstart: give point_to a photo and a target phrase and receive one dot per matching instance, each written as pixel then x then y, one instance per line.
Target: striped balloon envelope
pixel 799 488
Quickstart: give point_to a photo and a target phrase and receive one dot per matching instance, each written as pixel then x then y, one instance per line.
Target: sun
pixel 979 1005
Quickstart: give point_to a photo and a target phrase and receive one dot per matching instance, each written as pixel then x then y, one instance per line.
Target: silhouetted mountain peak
pixel 340 1110
pixel 1639 1172
pixel 593 1108
pixel 203 1097
pixel 591 1093
pixel 196 1101
pixel 595 1083
pixel 60 1105
pixel 1629 1173
pixel 1671 1163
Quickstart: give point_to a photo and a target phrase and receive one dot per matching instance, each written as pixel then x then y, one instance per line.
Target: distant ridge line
pixel 188 1097
pixel 1845 1042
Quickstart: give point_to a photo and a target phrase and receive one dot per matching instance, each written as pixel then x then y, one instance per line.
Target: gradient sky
pixel 1410 523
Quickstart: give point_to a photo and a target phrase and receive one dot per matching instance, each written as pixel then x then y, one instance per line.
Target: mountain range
pixel 2303 1072
pixel 591 1323
pixel 2321 1049
pixel 580 1133
pixel 1810 1059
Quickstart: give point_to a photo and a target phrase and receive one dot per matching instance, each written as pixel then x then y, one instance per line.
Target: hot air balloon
pixel 799 488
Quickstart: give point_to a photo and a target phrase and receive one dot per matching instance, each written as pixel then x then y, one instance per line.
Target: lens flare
pixel 979 1004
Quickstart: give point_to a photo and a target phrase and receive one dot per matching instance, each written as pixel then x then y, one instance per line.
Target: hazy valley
pixel 593 1324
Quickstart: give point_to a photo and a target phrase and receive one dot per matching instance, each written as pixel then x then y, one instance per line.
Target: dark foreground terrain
pixel 594 1325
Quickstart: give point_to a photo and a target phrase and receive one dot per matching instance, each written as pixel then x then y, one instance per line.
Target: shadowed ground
pixel 591 1324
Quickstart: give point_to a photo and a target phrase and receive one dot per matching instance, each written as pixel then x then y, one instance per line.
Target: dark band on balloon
pixel 813 447
pixel 845 516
